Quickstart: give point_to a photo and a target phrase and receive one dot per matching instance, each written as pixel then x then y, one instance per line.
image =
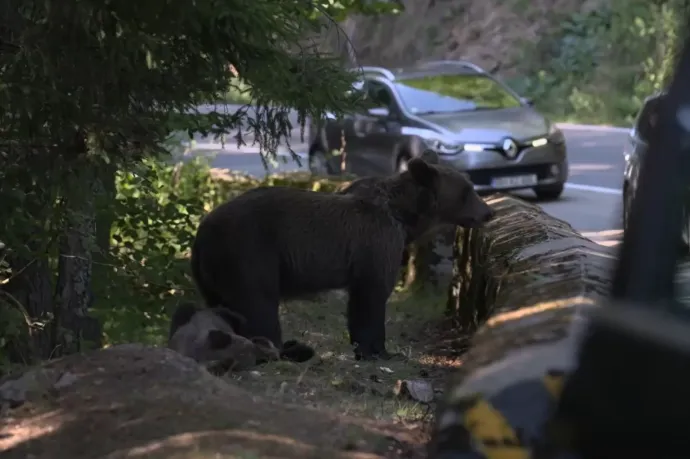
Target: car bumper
pixel 548 163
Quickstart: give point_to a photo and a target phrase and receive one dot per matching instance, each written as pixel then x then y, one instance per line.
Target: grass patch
pixel 334 381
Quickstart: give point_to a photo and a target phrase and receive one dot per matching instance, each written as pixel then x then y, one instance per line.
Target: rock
pixel 418 390
pixel 141 401
pixel 33 383
pixel 520 290
pixel 65 380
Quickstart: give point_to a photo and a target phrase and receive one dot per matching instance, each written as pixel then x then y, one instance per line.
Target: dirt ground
pixel 136 401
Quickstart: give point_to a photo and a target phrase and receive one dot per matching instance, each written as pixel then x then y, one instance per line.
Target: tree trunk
pixel 350 28
pixel 27 294
pixel 75 263
pixel 104 214
pixel 31 289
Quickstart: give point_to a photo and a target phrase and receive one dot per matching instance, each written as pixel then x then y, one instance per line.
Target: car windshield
pixel 454 93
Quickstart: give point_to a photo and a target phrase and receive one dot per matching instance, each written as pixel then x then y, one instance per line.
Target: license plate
pixel 514 181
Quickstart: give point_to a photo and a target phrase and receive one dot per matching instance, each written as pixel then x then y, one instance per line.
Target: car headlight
pixel 555 135
pixel 443 148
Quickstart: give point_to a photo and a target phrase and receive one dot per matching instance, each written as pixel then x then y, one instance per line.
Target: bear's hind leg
pixel 366 320
pixel 262 319
pixel 264 322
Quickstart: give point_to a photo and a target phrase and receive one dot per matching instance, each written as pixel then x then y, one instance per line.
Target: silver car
pixel 472 120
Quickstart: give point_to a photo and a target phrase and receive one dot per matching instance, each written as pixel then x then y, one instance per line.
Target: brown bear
pixel 274 243
pixel 373 188
pixel 208 336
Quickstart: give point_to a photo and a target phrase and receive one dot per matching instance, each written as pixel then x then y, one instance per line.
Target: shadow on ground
pixel 137 401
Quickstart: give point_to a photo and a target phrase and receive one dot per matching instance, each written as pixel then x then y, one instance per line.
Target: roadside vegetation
pixel 589 61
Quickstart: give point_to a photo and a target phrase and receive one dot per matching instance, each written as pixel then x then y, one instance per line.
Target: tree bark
pixel 31 289
pixel 76 330
pixel 104 221
pixel 28 291
pixel 350 29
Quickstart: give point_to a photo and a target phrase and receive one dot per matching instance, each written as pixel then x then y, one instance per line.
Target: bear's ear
pixel 422 172
pixel 183 315
pixel 218 339
pixel 430 156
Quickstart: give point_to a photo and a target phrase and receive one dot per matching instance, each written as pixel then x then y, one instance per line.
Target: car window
pixel 378 95
pixel 454 93
pixel 647 118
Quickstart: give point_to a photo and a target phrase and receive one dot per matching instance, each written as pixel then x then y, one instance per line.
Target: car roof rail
pixel 377 70
pixel 457 63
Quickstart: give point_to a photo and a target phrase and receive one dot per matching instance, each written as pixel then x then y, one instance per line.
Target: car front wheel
pixel 684 247
pixel 549 192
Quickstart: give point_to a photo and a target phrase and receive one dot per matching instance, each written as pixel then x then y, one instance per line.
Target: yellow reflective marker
pixel 495 438
pixel 554 384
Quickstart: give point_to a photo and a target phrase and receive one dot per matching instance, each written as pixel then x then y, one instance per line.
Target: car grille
pixel 484 176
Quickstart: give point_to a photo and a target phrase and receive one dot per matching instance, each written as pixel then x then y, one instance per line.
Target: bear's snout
pixel 476 215
pixel 488 215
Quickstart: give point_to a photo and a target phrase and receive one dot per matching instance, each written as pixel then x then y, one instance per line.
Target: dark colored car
pixel 472 120
pixel 634 151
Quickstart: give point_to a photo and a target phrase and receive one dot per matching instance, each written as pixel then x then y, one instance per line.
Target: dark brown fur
pixel 208 336
pixel 275 243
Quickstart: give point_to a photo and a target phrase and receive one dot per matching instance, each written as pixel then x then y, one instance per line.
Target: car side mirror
pixel 380 112
pixel 527 101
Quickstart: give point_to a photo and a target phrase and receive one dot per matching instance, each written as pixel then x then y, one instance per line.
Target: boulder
pixel 138 401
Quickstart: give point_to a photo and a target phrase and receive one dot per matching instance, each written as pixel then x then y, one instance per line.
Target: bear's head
pixel 446 195
pixel 208 336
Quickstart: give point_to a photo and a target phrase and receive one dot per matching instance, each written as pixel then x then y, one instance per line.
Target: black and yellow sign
pixel 510 424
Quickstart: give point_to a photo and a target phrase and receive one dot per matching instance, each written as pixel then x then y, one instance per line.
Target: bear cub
pixel 275 243
pixel 208 336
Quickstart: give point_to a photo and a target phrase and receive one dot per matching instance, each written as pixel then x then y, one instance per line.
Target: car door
pixel 376 131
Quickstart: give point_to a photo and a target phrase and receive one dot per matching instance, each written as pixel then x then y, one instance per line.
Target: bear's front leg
pixel 366 322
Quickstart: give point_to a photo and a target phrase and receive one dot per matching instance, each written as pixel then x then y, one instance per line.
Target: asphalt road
pixel 592 201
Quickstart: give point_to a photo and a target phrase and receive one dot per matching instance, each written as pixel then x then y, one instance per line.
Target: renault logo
pixel 510 148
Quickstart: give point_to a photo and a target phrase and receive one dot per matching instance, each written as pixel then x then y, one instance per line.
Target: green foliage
pixel 92 87
pixel 599 66
pixel 237 93
pixel 143 61
pixel 157 210
pixel 340 9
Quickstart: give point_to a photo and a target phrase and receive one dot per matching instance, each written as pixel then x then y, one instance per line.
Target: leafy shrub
pixel 598 66
pixel 156 212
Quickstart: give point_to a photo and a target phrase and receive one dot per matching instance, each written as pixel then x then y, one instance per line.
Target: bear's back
pixel 276 213
pixel 315 240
